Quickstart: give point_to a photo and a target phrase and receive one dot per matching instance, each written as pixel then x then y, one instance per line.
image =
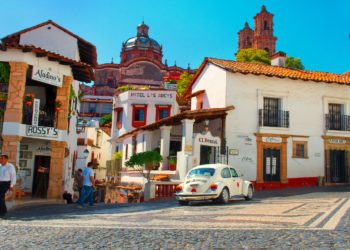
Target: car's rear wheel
pixel 250 193
pixel 224 196
pixel 183 203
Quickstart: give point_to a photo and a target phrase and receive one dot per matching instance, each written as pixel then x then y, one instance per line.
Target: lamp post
pixel 85 154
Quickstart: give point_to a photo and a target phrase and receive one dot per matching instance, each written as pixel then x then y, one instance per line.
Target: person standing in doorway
pixel 88 186
pixel 7 181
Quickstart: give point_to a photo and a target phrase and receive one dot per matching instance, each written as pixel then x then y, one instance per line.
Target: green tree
pixel 294 63
pixel 253 56
pixel 144 161
pixel 183 82
pixel 106 119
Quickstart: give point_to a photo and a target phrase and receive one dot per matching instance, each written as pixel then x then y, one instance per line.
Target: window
pixel 134 145
pixel 271 109
pixel 225 173
pixel 201 172
pixel 199 102
pixel 139 115
pixel 92 107
pixel 119 123
pixel 233 172
pixel 300 149
pixel 106 108
pixel 335 112
pixel 126 151
pixel 266 26
pixel 162 112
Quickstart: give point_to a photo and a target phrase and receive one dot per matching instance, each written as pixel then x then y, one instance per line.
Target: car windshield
pixel 201 172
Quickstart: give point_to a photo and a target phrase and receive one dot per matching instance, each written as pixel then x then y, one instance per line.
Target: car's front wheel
pixel 249 193
pixel 224 196
pixel 183 203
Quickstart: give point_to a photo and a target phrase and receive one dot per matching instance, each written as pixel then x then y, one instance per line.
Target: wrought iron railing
pixel 80 126
pixel 337 122
pixel 273 118
pixel 46 117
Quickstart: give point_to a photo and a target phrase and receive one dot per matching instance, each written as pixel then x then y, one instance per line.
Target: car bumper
pixel 195 197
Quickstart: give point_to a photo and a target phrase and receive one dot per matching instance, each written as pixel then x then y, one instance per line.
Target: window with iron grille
pixel 271 111
pixel 335 116
pixel 300 149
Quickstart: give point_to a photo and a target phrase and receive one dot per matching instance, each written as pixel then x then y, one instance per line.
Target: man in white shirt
pixel 7 181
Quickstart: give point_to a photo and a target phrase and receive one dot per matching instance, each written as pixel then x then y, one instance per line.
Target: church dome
pixel 142 40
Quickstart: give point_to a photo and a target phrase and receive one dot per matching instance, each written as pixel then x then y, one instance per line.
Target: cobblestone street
pixel 281 219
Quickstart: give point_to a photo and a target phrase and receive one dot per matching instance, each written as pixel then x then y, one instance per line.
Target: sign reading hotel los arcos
pixel 155 95
pixel 39 131
pixel 46 76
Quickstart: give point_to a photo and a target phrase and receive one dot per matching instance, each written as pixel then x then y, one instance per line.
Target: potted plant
pixel 58 105
pixel 28 99
pixel 145 161
pixel 172 163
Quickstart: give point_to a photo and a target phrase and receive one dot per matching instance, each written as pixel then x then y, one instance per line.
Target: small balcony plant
pixel 28 99
pixel 172 163
pixel 58 105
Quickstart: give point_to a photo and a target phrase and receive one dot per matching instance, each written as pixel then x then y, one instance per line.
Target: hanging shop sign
pixel 39 131
pixel 47 76
pixel 337 141
pixel 207 140
pixel 36 111
pixel 272 139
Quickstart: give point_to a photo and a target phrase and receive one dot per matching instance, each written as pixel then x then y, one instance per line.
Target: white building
pixel 279 127
pixel 135 109
pixel 47 62
pixel 94 145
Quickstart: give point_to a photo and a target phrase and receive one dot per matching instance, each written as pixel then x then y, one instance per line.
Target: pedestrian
pixel 88 186
pixel 7 181
pixel 78 182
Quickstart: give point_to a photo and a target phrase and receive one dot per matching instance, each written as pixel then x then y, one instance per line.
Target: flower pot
pixel 172 166
pixel 28 103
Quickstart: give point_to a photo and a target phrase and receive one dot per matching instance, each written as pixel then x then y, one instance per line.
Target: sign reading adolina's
pixel 46 76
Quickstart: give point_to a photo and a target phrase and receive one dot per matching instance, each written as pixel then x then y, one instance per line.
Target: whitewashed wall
pixel 213 81
pixel 51 38
pixel 306 101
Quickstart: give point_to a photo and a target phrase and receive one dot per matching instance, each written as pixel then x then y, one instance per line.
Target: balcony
pixel 337 122
pixel 46 117
pixel 80 126
pixel 273 118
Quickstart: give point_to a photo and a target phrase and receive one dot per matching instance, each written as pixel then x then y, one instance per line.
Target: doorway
pixel 41 176
pixel 207 155
pixel 337 166
pixel 271 164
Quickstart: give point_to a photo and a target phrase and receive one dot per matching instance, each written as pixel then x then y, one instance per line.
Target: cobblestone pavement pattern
pixel 281 219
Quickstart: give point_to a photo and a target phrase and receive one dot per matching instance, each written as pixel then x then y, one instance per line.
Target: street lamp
pixel 85 153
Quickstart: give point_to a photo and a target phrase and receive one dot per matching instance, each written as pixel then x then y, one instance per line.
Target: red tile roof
pixel 198 115
pixel 272 71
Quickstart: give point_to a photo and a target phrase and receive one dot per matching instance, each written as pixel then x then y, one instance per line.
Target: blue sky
pixel 317 31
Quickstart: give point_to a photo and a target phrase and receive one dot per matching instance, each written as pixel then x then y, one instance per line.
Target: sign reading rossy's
pixel 39 131
pixel 46 76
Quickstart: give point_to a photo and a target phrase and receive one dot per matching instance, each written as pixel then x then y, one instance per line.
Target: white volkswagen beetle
pixel 217 182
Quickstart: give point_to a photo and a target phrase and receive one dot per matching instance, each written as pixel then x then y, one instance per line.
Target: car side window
pixel 225 173
pixel 233 172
